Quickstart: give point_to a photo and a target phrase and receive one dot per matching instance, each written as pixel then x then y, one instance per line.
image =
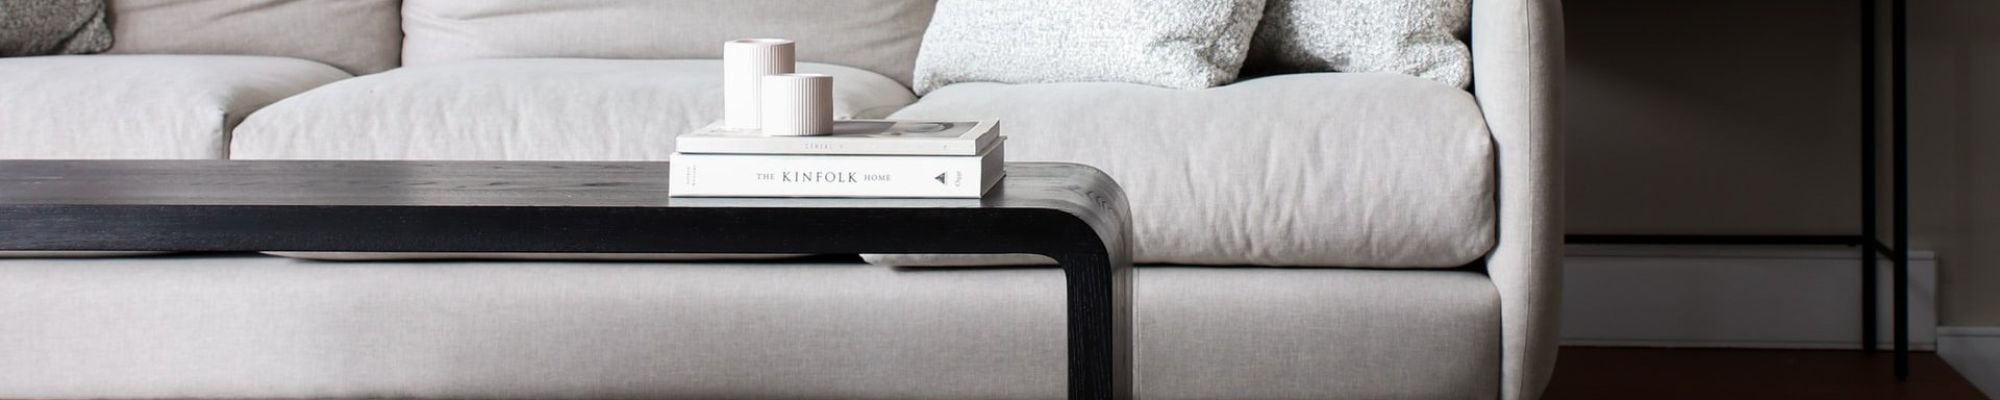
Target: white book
pixel 854 137
pixel 823 202
pixel 866 176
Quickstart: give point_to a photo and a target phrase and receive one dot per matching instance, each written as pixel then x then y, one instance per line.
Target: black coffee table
pixel 1072 213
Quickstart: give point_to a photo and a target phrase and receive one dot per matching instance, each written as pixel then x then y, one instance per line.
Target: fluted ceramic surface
pixel 745 62
pixel 797 104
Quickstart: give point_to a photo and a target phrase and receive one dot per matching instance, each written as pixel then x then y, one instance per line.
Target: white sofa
pixel 1330 235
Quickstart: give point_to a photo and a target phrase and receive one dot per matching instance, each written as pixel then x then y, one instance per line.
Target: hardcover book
pixel 853 137
pixel 860 176
pixel 826 202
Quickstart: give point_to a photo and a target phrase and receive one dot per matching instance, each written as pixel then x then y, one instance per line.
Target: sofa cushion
pixel 358 36
pixel 1358 170
pixel 265 327
pixel 140 106
pixel 522 109
pixel 875 35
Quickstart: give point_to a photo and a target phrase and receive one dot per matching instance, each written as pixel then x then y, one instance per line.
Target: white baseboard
pixel 1974 351
pixel 1734 297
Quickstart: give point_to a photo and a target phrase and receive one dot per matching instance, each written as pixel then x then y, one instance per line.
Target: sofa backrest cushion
pixel 875 35
pixel 358 36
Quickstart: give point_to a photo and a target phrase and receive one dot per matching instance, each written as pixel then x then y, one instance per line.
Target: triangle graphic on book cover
pixel 940 177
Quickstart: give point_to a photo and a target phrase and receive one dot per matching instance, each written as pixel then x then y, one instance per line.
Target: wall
pixel 1740 117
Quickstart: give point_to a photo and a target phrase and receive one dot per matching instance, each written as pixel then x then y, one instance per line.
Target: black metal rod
pixel 1868 230
pixel 1901 113
pixel 1883 250
pixel 1842 240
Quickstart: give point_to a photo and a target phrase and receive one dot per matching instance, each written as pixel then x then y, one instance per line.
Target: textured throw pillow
pixel 1187 44
pixel 1420 38
pixel 43 27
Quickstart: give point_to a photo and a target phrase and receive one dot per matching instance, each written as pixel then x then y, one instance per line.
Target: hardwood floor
pixel 1646 373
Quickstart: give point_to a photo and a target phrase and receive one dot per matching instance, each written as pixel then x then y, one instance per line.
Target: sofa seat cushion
pixel 266 327
pixel 1358 170
pixel 522 109
pixel 140 106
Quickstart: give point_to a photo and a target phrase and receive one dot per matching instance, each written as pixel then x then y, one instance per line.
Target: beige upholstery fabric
pixel 267 327
pixel 875 35
pixel 522 109
pixel 1518 61
pixel 1259 333
pixel 140 107
pixel 358 36
pixel 1355 170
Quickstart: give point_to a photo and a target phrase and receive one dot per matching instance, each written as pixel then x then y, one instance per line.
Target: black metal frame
pixel 1869 239
pixel 1099 287
pixel 1091 249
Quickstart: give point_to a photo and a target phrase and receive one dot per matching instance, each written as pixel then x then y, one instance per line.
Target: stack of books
pixel 860 159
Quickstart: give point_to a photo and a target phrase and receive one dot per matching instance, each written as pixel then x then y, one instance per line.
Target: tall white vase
pixel 745 62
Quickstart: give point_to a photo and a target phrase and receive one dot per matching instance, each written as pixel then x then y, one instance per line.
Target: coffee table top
pixel 57 187
pixel 435 183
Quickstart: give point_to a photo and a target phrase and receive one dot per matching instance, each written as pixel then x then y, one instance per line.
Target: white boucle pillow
pixel 1186 44
pixel 1423 38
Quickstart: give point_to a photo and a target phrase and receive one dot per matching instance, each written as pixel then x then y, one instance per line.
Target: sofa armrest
pixel 1517 64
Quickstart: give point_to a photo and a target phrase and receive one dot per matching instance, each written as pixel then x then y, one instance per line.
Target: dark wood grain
pixel 334 183
pixel 1072 213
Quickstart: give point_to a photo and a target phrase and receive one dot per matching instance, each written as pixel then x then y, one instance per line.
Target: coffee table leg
pixel 1100 326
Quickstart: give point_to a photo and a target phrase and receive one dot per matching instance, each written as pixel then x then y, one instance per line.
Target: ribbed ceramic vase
pixel 745 63
pixel 797 105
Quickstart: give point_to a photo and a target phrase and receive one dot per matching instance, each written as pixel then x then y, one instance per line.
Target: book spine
pixel 726 175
